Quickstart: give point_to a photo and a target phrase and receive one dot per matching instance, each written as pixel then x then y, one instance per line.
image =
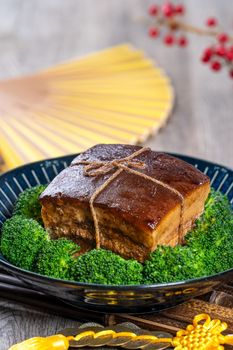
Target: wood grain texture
pixel 18 323
pixel 38 33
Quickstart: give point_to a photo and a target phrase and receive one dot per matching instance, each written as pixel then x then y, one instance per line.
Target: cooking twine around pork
pixel 96 168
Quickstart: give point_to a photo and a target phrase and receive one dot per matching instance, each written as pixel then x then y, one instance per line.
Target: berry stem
pixel 174 23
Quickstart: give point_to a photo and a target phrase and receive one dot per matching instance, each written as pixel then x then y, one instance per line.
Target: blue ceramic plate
pixel 137 299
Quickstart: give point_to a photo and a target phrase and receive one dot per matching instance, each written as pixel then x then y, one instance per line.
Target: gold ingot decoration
pixel 203 334
pixel 117 95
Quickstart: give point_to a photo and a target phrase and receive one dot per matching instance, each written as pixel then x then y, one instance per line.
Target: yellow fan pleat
pixel 117 95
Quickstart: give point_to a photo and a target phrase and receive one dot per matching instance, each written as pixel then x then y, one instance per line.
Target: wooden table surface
pixel 39 33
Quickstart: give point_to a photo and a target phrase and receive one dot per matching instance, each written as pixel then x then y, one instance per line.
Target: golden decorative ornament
pixel 203 334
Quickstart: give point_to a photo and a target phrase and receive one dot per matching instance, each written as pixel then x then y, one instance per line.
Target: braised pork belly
pixel 134 214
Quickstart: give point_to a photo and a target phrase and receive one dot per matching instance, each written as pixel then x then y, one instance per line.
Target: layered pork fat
pixel 134 214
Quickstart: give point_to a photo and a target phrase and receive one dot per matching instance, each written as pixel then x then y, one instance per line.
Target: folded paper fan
pixel 113 96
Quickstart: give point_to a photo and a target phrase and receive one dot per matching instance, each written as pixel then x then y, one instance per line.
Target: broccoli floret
pixel 28 204
pixel 208 249
pixel 21 241
pixel 167 264
pixel 104 267
pixel 56 258
pixel 213 234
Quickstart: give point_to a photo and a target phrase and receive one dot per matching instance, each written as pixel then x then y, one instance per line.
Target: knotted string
pixel 96 168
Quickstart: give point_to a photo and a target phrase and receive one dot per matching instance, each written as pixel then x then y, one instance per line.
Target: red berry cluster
pixel 166 15
pixel 221 53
